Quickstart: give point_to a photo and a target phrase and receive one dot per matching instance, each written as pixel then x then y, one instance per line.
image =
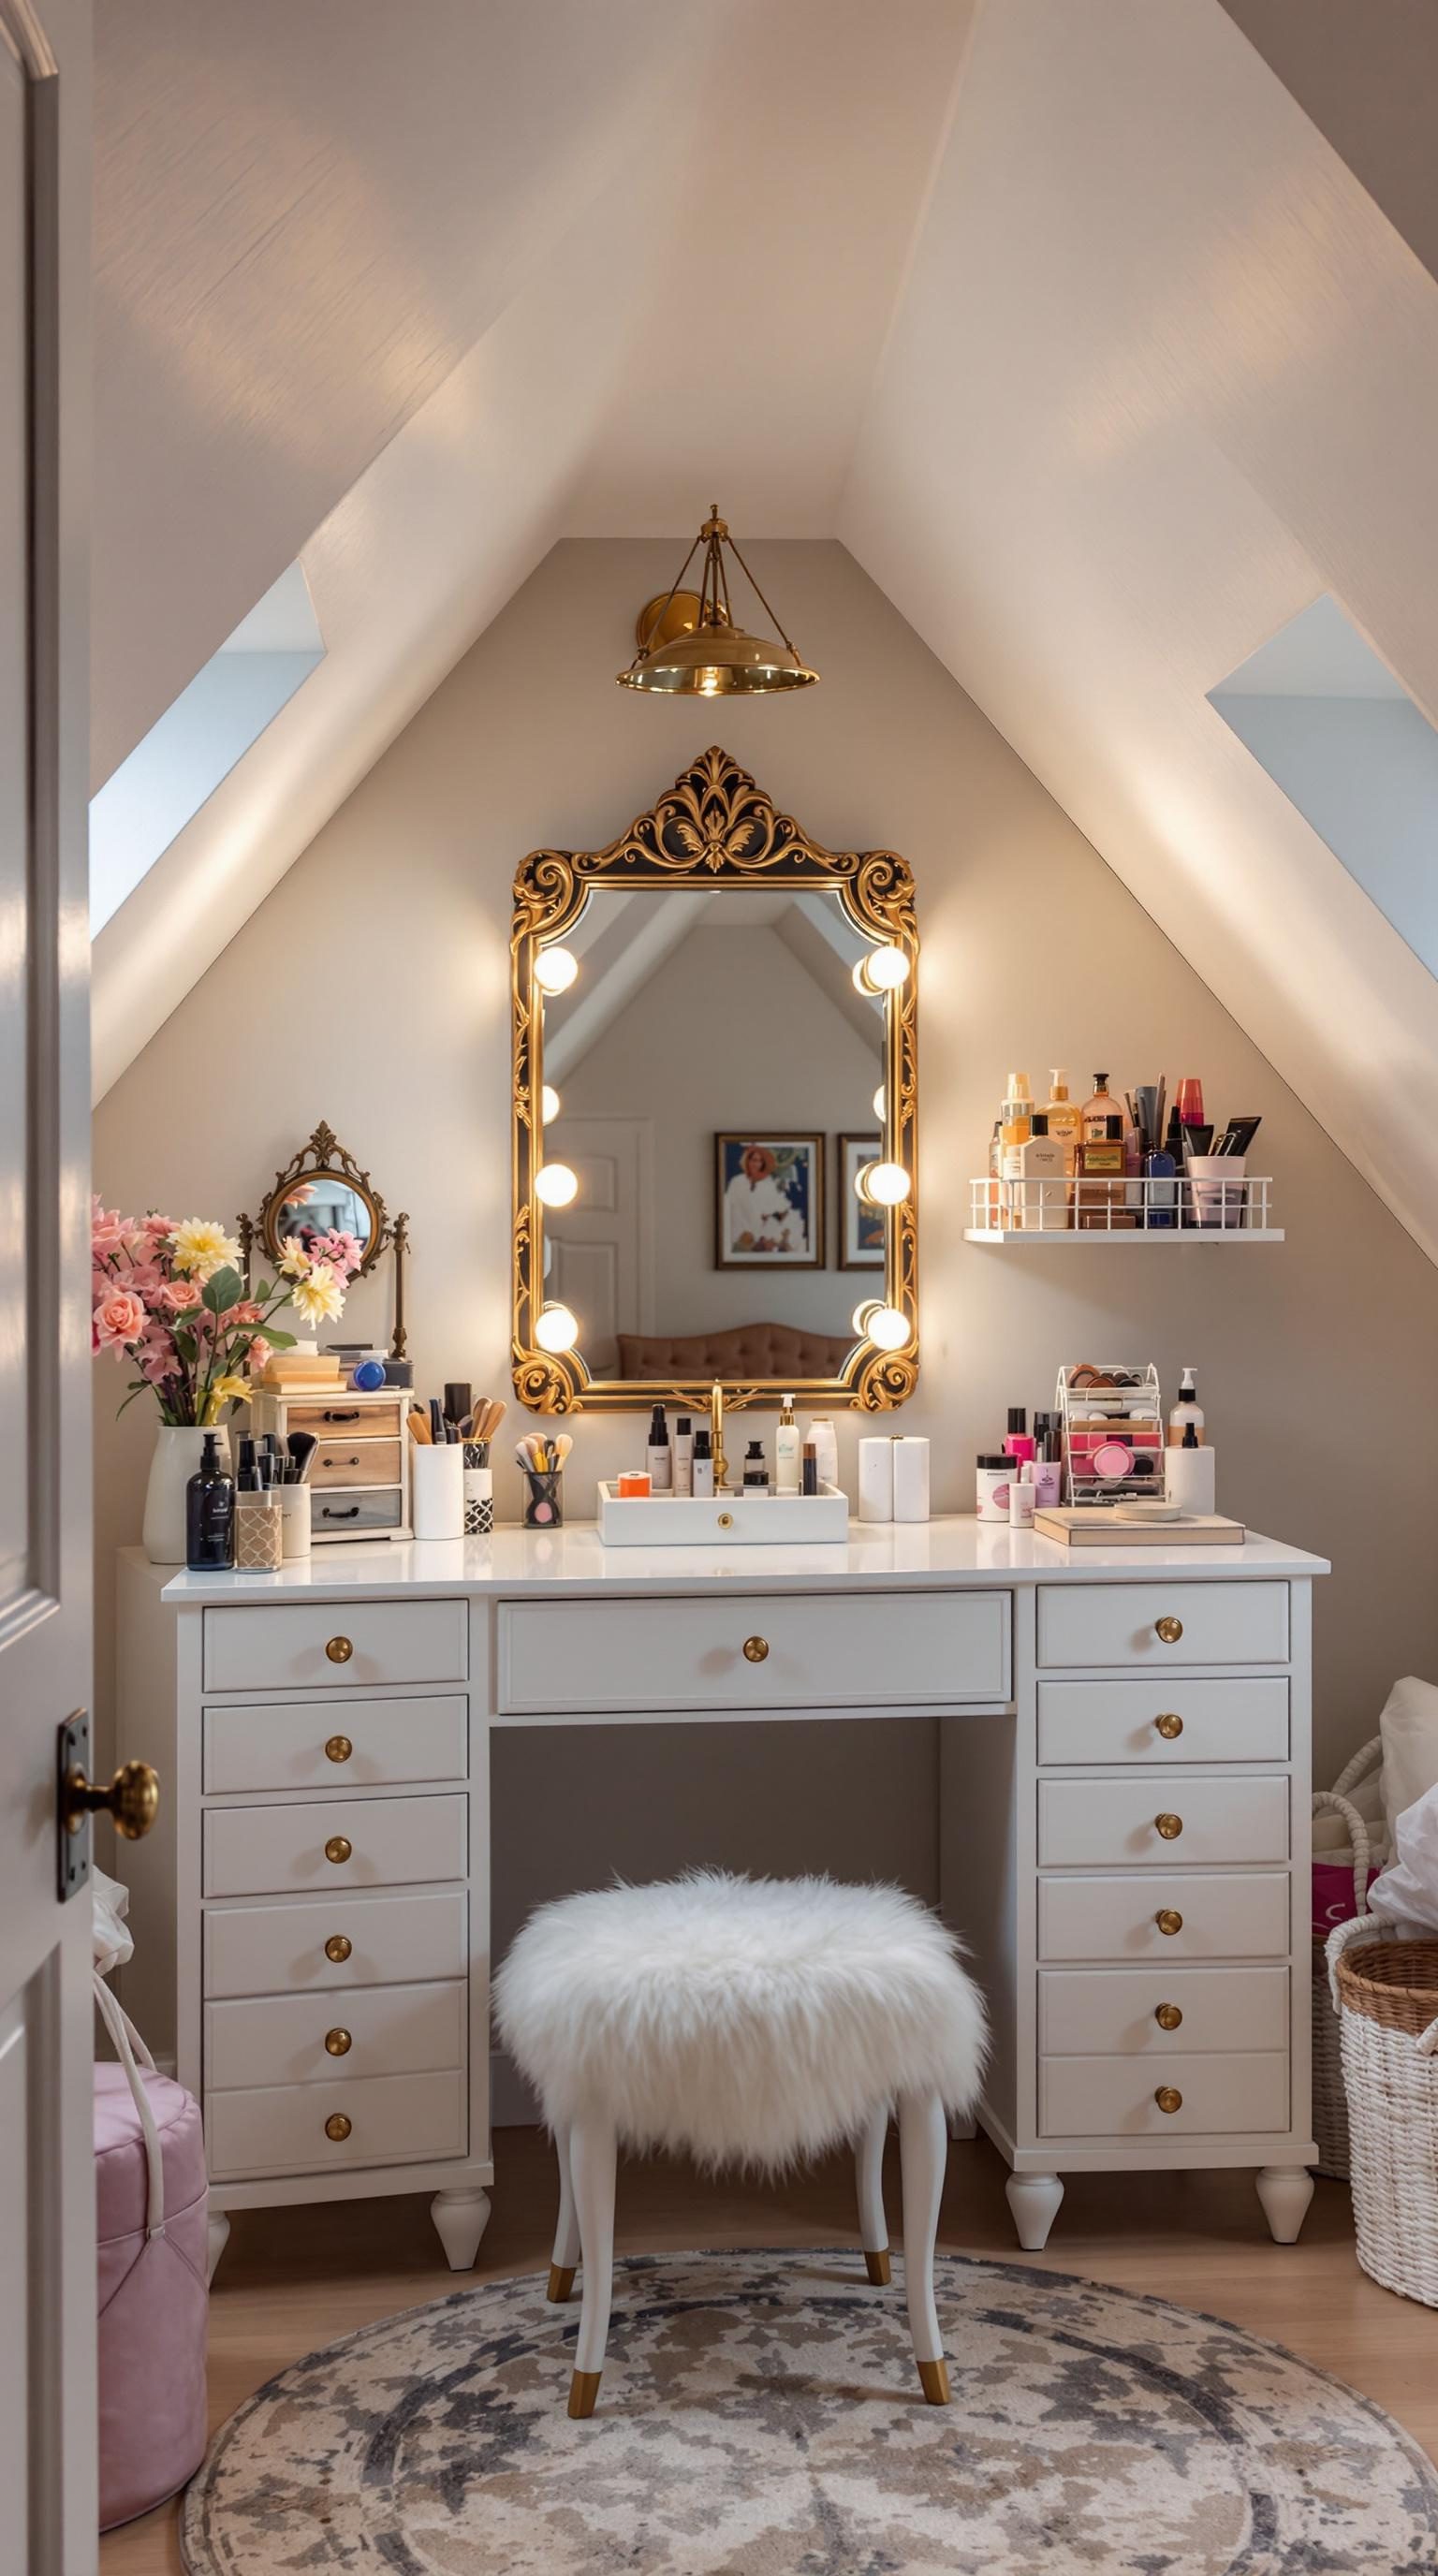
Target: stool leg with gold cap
pixel 592 2158
pixel 923 2155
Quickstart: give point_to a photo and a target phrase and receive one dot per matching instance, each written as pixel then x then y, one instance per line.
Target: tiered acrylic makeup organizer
pixel 1124 1407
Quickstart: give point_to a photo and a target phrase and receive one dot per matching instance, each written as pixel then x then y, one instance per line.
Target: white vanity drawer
pixel 392 1842
pixel 859 1650
pixel 1165 1723
pixel 281 2039
pixel 382 1939
pixel 1117 1623
pixel 289 1645
pixel 303 1747
pixel 1116 2097
pixel 1091 1824
pixel 1089 2012
pixel 1171 1915
pixel 281 2128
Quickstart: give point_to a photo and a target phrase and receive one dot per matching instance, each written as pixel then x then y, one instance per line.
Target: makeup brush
pixel 302 1446
pixel 419 1427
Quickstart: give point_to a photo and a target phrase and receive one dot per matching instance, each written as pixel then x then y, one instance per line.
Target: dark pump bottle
pixel 210 1513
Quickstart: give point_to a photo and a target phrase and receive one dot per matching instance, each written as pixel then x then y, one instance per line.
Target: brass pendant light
pixel 689 645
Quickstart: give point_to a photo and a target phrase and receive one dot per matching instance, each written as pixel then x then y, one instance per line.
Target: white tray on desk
pixel 745 1520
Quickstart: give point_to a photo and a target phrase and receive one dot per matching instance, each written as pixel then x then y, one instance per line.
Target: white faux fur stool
pixel 749 2022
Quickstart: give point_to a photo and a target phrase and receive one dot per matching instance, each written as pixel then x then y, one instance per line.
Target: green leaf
pixel 224 1290
pixel 279 1341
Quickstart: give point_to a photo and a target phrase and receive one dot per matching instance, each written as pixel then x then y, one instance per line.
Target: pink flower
pixel 178 1296
pixel 108 1231
pixel 119 1318
pixel 247 1313
pixel 146 1279
pixel 157 1227
pixel 259 1353
pixel 344 1251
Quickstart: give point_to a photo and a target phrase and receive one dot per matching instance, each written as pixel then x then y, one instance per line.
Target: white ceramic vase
pixel 179 1448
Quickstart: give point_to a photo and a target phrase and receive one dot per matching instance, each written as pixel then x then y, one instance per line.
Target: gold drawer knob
pixel 1169 1920
pixel 1170 1726
pixel 1170 1630
pixel 1169 1826
pixel 338 1748
pixel 1169 2098
pixel 1168 2017
pixel 755 1649
pixel 339 1649
pixel 338 2043
pixel 337 2126
pixel 338 1947
pixel 338 1848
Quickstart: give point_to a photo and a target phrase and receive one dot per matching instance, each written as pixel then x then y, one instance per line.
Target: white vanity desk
pixel 1123 1795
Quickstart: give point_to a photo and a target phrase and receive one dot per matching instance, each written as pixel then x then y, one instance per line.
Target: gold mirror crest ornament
pixel 714 828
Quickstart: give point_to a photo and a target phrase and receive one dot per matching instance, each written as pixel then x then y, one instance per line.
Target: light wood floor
pixel 296 2278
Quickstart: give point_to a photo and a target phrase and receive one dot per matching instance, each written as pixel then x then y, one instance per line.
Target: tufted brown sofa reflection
pixel 778 1351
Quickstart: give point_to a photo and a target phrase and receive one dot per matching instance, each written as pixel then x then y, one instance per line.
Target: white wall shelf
pixel 1130 1211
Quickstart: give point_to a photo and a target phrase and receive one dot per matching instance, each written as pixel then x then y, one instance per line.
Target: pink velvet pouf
pixel 154 2296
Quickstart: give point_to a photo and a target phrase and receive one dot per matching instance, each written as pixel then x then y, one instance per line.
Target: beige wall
pixel 371 989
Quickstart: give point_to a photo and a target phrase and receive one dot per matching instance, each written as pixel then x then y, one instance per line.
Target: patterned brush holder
pixel 544 1497
pixel 478 1490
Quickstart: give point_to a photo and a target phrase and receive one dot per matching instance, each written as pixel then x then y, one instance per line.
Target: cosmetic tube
pixel 684 1454
pixel 809 1469
pixel 1022 1497
pixel 826 1444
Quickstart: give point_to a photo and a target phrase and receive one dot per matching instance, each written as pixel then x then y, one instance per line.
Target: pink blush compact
pixel 1112 1461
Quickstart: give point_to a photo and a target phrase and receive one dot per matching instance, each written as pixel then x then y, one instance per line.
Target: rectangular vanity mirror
pixel 715 1112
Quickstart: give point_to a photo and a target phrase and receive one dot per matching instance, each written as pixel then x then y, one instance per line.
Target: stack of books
pixel 302 1372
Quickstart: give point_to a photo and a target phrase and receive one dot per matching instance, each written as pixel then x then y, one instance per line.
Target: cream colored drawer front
pixel 281 1645
pixel 271 1949
pixel 1090 2012
pixel 280 2128
pixel 1113 2097
pixel 1095 1823
pixel 394 1842
pixel 846 1650
pixel 1117 1918
pixel 391 1740
pixel 1117 1623
pixel 280 2039
pixel 1231 1721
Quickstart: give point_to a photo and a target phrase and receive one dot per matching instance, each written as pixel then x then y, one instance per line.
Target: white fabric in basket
pixel 1409 1728
pixel 1407 1892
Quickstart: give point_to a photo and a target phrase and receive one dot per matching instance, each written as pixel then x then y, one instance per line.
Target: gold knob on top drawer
pixel 1170 1630
pixel 339 1649
pixel 1170 1725
pixel 755 1649
pixel 337 2126
pixel 338 1848
pixel 1167 2016
pixel 338 1947
pixel 338 2043
pixel 1170 1827
pixel 1169 1919
pixel 338 1748
pixel 1169 2098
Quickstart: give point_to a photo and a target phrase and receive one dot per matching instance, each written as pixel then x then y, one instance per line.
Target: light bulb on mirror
pixel 882 1184
pixel 548 1103
pixel 556 1184
pixel 556 1328
pixel 882 970
pixel 555 969
pixel 884 1326
pixel 879 1110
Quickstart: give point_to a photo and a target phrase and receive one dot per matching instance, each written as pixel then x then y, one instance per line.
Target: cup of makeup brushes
pixel 543 1497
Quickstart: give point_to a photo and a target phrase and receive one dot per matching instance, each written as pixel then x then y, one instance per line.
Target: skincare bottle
pixel 210 1512
pixel 1018 1439
pixel 703 1464
pixel 659 1458
pixel 1161 1196
pixel 1040 1168
pixel 756 1469
pixel 1048 1472
pixel 684 1454
pixel 809 1469
pixel 1189 1474
pixel 1187 1411
pixel 995 1477
pixel 1098 1110
pixel 1065 1117
pixel 786 1450
pixel 1101 1202
pixel 1023 1495
pixel 1017 1113
pixel 826 1446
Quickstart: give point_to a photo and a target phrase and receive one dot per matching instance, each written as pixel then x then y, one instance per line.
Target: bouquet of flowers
pixel 170 1301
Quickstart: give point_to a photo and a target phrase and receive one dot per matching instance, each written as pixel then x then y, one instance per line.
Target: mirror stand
pixel 323 1174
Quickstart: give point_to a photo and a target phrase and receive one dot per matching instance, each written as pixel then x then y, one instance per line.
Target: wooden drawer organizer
pixel 359 1474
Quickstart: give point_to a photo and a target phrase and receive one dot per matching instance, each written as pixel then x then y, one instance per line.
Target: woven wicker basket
pixel 1330 2102
pixel 1386 1990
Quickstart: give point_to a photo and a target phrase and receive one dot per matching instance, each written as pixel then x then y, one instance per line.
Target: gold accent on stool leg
pixel 561 2282
pixel 584 2388
pixel 935 2377
pixel 877 2267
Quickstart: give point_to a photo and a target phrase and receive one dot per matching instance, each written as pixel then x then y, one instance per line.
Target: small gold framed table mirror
pixel 322 1190
pixel 715 1113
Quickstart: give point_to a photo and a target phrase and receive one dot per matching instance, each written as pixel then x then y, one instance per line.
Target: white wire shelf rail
pixel 1132 1210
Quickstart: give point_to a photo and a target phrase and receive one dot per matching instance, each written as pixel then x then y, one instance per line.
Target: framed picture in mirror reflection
pixel 769 1201
pixel 861 1227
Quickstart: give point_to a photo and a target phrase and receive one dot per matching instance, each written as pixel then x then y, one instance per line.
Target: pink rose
pixel 259 1353
pixel 119 1318
pixel 178 1296
pixel 108 1232
pixel 157 1227
pixel 146 1279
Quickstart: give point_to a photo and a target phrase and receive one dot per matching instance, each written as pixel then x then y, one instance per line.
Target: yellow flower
pixel 202 1247
pixel 295 1261
pixel 226 1390
pixel 318 1297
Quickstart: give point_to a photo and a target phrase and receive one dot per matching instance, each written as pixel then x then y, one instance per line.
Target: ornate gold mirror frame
pixel 716 828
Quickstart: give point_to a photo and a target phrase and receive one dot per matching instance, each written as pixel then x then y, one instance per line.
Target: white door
pixel 599 1252
pixel 47 2186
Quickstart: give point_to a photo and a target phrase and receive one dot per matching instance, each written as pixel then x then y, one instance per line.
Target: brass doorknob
pixel 338 1848
pixel 1169 1919
pixel 1170 1725
pixel 1169 1629
pixel 338 1948
pixel 1169 1826
pixel 339 1650
pixel 755 1649
pixel 1168 2098
pixel 132 1798
pixel 338 2043
pixel 338 1748
pixel 1168 2017
pixel 337 2126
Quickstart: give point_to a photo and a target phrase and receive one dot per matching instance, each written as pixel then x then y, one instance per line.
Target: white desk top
pixel 876 1557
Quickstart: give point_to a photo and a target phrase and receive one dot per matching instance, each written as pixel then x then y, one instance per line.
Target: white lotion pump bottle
pixel 787 1450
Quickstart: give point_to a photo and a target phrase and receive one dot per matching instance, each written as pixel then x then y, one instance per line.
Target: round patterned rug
pixel 760 2415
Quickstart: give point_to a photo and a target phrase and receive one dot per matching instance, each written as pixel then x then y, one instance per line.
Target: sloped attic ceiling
pixel 1068 321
